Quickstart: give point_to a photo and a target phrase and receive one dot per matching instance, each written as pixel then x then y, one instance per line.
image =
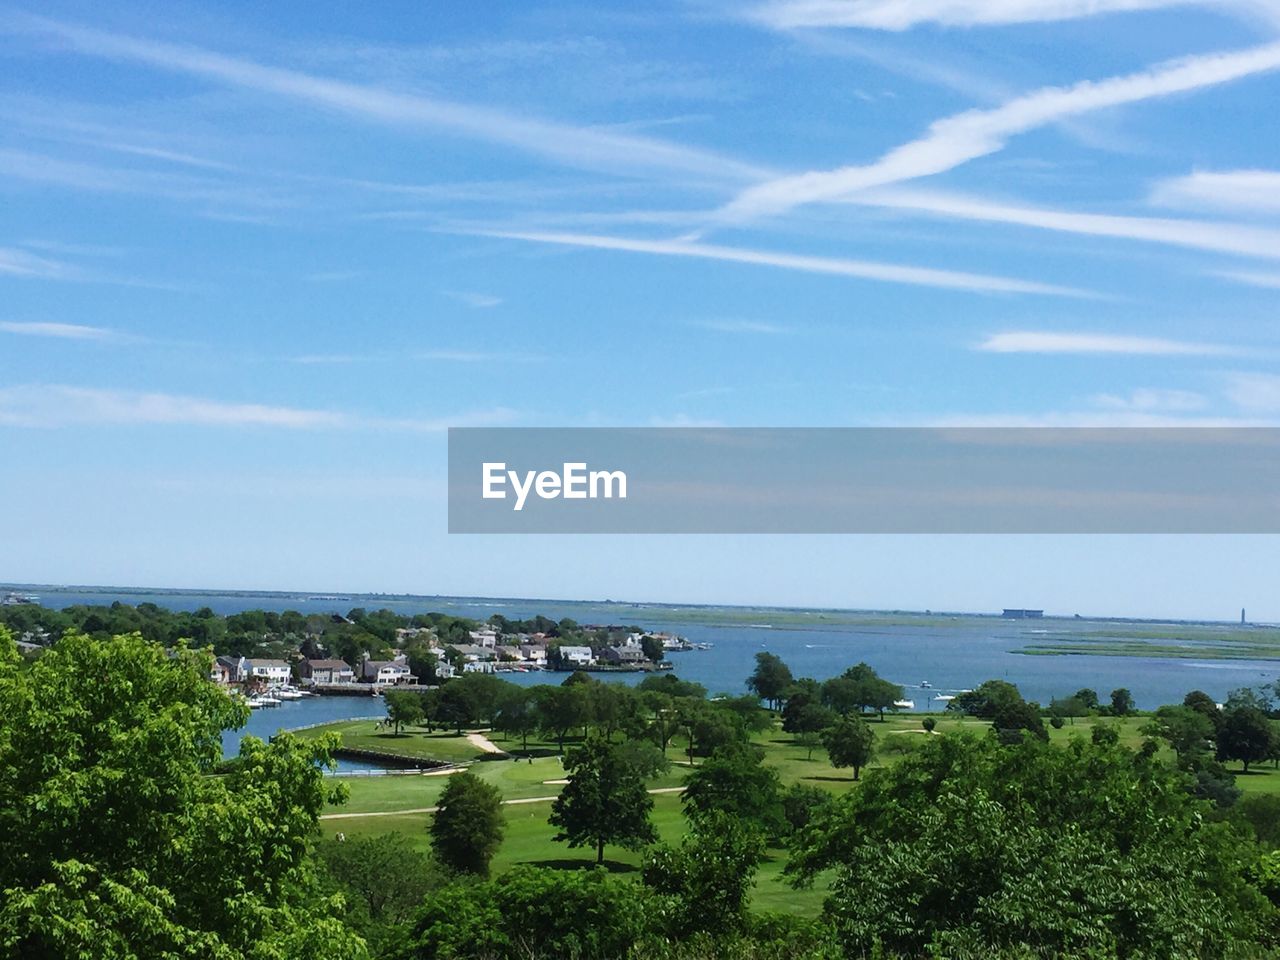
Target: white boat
pixel 905 704
pixel 254 703
pixel 287 693
pixel 925 684
pixel 268 701
pixel 945 698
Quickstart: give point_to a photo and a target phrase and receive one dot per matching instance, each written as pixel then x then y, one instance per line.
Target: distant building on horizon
pixel 1021 613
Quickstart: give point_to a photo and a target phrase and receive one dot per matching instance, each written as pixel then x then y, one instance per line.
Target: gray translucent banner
pixel 864 480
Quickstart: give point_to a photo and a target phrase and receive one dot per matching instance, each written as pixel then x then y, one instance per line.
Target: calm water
pixel 951 653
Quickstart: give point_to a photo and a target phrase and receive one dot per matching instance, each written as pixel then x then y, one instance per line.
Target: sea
pixel 929 654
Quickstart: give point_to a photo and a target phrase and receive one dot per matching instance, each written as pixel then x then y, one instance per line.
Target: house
pixel 271 672
pixel 479 666
pixel 327 671
pixel 576 656
pixel 510 654
pixel 472 651
pixel 228 670
pixel 624 653
pixel 386 672
pixel 485 637
pixel 534 653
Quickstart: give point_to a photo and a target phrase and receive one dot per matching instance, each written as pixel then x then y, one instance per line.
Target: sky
pixel 256 258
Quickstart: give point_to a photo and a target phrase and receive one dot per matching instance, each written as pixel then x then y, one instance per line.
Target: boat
pixel 925 684
pixel 944 698
pixel 287 693
pixel 268 701
pixel 18 599
pixel 904 704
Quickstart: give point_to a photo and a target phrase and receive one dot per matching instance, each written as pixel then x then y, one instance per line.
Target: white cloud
pixel 580 147
pixel 1259 392
pixel 1268 281
pixel 863 269
pixel 20 263
pixel 1241 191
pixel 59 405
pixel 741 326
pixel 960 138
pixel 905 14
pixel 1149 400
pixel 479 301
pixel 1027 341
pixel 63 331
pixel 1219 237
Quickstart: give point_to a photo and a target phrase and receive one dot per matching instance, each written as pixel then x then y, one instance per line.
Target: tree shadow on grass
pixel 572 863
pixel 830 779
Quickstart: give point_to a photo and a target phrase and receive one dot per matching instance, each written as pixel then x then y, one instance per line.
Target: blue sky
pixel 255 258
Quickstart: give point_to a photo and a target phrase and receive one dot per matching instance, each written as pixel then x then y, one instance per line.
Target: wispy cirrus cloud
pixel 1034 341
pixel 742 326
pixel 1256 392
pixel 905 14
pixel 1215 236
pixel 21 263
pixel 1153 399
pixel 962 137
pixel 835 266
pixel 477 301
pixel 579 147
pixel 60 331
pixel 1268 281
pixel 61 405
pixel 1240 191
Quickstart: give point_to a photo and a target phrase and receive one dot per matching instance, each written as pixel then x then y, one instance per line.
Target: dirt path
pixel 405 813
pixel 481 742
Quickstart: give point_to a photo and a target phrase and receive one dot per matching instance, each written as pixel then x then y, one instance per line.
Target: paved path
pixel 481 742
pixel 404 813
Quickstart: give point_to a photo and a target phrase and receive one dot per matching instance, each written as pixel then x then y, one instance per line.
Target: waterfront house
pixel 328 671
pixel 228 670
pixel 623 654
pixel 576 656
pixel 386 672
pixel 479 666
pixel 270 672
pixel 472 651
pixel 535 653
pixel 484 637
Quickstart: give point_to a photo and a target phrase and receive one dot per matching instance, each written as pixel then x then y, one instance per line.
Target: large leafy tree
pixel 1245 736
pixel 968 847
pixel 735 782
pixel 468 825
pixel 850 743
pixel 404 708
pixel 605 800
pixel 114 839
pixel 770 679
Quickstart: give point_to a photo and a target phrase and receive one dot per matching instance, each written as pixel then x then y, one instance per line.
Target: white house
pixel 327 671
pixel 485 637
pixel 271 672
pixel 577 656
pixel 478 666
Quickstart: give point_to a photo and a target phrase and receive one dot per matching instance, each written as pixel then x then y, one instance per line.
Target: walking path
pixel 402 813
pixel 481 742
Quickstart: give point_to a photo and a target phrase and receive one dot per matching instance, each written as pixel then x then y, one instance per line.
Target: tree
pixel 1186 730
pixel 605 800
pixel 1245 736
pixel 519 715
pixel 735 782
pixel 708 877
pixel 115 841
pixel 653 649
pixel 1204 704
pixel 383 880
pixel 1262 812
pixel 1121 702
pixel 404 707
pixel 969 848
pixel 850 743
pixel 1088 697
pixel 468 825
pixel 770 678
pixel 984 701
pixel 1013 718
pixel 928 723
pixel 561 709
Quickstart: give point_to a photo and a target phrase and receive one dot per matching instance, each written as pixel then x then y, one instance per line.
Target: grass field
pixel 529 836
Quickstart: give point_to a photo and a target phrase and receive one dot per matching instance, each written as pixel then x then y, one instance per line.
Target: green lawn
pixel 413 742
pixel 529 836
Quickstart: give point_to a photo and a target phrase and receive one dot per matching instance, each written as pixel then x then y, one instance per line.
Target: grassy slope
pixel 529 836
